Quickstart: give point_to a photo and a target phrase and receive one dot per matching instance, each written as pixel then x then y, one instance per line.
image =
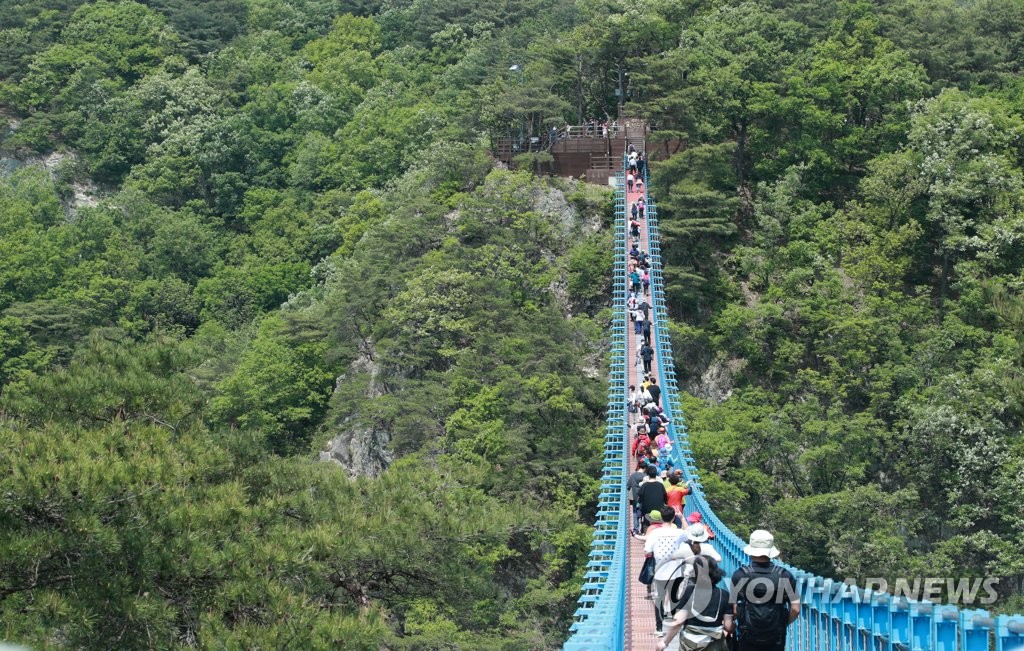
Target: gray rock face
pixel 715 383
pixel 354 440
pixel 84 193
pixel 553 204
pixel 360 450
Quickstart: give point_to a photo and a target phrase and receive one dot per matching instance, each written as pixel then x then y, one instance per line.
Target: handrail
pixel 571 132
pixel 833 615
pixel 600 618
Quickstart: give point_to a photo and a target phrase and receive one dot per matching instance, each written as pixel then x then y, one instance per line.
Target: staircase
pixel 636 134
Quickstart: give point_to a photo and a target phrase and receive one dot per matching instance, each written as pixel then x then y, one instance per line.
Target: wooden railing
pixel 507 148
pixel 589 131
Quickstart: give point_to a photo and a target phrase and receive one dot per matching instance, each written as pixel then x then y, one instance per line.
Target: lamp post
pixel 620 91
pixel 515 67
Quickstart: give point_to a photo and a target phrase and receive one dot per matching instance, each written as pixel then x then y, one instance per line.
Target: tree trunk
pixel 741 150
pixel 579 92
pixel 943 283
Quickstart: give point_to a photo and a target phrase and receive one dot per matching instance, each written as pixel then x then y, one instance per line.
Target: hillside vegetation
pixel 237 236
pixel 298 236
pixel 844 226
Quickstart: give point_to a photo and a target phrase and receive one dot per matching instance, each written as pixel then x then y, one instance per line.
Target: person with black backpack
pixel 646 354
pixel 765 598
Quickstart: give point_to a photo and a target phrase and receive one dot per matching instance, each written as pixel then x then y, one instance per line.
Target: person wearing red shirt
pixel 641 447
pixel 640 441
pixel 676 494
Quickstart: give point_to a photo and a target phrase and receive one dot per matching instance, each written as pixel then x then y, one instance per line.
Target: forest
pixel 288 360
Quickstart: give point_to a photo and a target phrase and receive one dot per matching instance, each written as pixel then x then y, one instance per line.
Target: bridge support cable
pixel 834 615
pixel 612 612
pixel 598 621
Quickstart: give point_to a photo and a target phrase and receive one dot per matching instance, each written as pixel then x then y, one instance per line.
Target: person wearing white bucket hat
pixel 691 543
pixel 762 543
pixel 765 597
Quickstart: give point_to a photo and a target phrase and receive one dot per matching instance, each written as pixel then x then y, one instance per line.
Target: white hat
pixel 762 543
pixel 697 532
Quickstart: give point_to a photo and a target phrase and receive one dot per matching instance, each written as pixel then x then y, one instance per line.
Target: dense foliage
pixel 843 242
pixel 266 225
pixel 239 228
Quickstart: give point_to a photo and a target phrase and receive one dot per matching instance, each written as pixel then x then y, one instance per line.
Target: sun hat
pixel 697 532
pixel 654 516
pixel 762 543
pixel 694 517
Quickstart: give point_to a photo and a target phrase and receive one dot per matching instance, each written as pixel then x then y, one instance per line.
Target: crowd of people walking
pixel 681 567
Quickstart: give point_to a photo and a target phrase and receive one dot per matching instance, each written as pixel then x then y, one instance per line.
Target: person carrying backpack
pixel 653 417
pixel 700 613
pixel 645 398
pixel 765 597
pixel 641 443
pixel 647 354
pixel 663 442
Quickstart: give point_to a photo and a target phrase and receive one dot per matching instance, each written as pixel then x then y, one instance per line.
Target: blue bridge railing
pixel 834 616
pixel 600 617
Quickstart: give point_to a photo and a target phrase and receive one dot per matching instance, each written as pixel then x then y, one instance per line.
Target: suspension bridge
pixel 613 613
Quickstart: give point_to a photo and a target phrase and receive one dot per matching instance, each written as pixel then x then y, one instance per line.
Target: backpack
pixel 761 623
